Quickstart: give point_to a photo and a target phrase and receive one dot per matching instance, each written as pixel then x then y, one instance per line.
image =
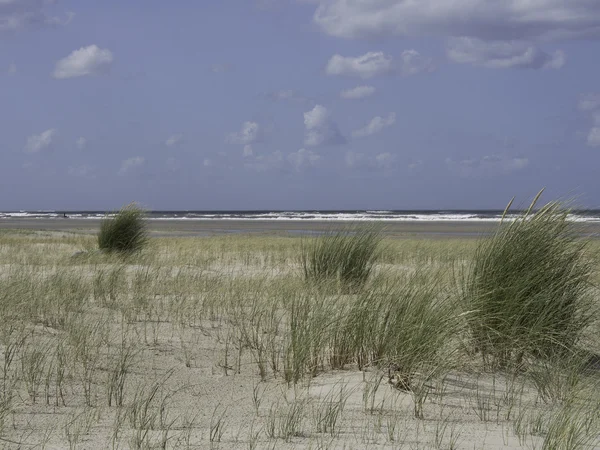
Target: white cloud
pixel 131 163
pixel 90 60
pixel 376 124
pixel 174 140
pixel 366 66
pixel 593 139
pixel 415 164
pixel 385 160
pixel 502 55
pixel 357 92
pixel 172 164
pixel 207 162
pixel 38 142
pixel 298 161
pixel 284 94
pixel 517 163
pixel 320 129
pixel 287 95
pixel 81 143
pixel 589 102
pixel 262 163
pixel 354 159
pixel 82 171
pixel 372 64
pixel 250 133
pixel 413 63
pixel 12 69
pixel 381 162
pixel 220 68
pixel 487 166
pixel 16 15
pixel 484 19
pixel 303 159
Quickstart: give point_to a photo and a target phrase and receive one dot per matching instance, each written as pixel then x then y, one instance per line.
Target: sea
pixel 308 215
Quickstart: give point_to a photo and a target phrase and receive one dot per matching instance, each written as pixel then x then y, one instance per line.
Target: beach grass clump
pixel 345 256
pixel 527 287
pixel 125 232
pixel 407 327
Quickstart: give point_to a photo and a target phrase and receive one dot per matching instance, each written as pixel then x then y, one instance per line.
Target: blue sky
pixel 298 104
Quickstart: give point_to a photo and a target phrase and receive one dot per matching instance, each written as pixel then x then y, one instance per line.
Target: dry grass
pixel 220 343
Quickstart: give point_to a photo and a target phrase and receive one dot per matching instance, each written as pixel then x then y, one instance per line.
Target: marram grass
pixel 527 288
pixel 346 256
pixel 125 232
pixel 79 340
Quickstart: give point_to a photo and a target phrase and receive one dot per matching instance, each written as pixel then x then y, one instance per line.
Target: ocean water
pixel 315 216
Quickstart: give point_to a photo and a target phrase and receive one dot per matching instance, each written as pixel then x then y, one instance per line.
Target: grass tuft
pixel 125 232
pixel 527 288
pixel 346 256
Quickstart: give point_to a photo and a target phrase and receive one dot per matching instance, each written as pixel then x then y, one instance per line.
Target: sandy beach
pixel 199 342
pixel 300 225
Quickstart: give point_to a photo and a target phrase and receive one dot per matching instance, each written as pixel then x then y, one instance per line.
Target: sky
pixel 298 104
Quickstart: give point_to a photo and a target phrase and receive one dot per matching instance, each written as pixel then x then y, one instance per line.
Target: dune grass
pixel 125 232
pixel 527 288
pixel 387 327
pixel 222 343
pixel 346 256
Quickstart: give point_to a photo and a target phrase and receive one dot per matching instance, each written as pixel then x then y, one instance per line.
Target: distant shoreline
pixel 182 228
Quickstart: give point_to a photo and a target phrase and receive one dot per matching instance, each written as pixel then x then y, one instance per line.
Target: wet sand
pixel 210 227
pixel 181 228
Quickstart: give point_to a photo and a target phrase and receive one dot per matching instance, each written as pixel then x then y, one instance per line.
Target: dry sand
pixel 214 398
